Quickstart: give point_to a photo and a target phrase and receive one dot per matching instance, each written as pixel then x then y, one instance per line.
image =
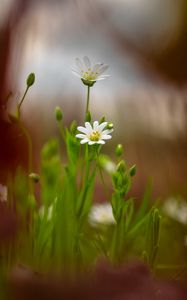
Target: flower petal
pixel 102 126
pixel 84 141
pixel 91 142
pixel 102 69
pixel 75 69
pixel 101 142
pixel 88 127
pixel 96 68
pixel 87 62
pixel 83 129
pixel 107 131
pixel 76 73
pixel 80 136
pixel 102 77
pixel 106 137
pixel 95 125
pixel 79 63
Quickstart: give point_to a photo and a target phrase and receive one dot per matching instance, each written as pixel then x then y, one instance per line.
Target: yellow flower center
pixel 95 136
pixel 90 75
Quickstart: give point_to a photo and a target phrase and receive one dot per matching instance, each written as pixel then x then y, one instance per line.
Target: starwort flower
pixel 89 74
pixel 101 214
pixel 94 134
pixel 176 208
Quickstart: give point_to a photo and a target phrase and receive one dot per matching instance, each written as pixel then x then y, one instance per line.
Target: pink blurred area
pixel 144 42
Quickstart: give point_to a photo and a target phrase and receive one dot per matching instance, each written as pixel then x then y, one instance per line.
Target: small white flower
pixel 110 167
pixel 176 209
pixel 88 73
pixel 3 193
pixel 101 214
pixel 95 134
pixel 107 164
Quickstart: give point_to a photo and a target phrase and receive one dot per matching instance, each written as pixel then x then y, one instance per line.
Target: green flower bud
pixel 102 120
pixel 35 177
pixel 121 166
pixel 73 127
pixel 132 170
pixel 119 150
pixel 58 114
pixel 88 117
pixel 110 126
pixel 30 79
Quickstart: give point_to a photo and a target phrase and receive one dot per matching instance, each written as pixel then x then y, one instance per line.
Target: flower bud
pixel 30 79
pixel 73 127
pixel 35 177
pixel 110 126
pixel 132 170
pixel 58 113
pixel 121 166
pixel 102 120
pixel 119 150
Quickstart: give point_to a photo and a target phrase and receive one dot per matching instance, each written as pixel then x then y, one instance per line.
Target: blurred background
pixel 143 41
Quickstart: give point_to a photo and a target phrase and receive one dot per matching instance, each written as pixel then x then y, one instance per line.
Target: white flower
pixel 88 73
pixel 95 134
pixel 3 193
pixel 107 164
pixel 176 209
pixel 101 214
pixel 110 167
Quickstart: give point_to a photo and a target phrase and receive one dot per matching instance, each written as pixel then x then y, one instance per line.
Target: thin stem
pixel 102 177
pixel 62 131
pixel 19 105
pixel 87 101
pixel 30 158
pixel 82 167
pixel 31 188
pixel 87 159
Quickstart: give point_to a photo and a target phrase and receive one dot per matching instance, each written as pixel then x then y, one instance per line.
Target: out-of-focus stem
pixel 87 101
pixel 102 177
pixel 30 157
pixel 24 95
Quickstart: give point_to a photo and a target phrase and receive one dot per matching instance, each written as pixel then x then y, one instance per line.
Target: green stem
pixel 86 176
pixel 30 158
pixel 82 167
pixel 102 177
pixel 87 159
pixel 87 101
pixel 62 131
pixel 19 105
